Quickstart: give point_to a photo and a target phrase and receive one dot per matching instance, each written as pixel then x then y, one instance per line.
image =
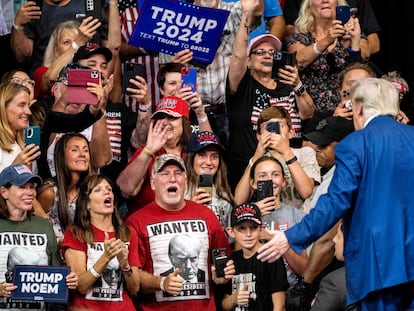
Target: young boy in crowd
pixel 256 285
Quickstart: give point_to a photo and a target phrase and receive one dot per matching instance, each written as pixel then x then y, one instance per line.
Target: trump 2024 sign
pixel 41 283
pixel 170 26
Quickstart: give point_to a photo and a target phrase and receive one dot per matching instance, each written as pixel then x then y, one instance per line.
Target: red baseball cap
pixel 172 106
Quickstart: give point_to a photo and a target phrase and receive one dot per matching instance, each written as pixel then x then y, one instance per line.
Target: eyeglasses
pixel 262 52
pixel 21 81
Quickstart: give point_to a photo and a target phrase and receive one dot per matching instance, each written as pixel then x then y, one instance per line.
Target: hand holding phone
pixel 264 189
pixel 32 135
pixel 205 182
pixel 189 77
pixel 131 70
pixel 93 8
pixel 77 91
pixel 343 13
pixel 273 126
pixel 280 59
pixel 220 259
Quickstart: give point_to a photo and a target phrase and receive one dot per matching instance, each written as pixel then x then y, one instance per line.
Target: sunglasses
pixel 262 52
pixel 21 81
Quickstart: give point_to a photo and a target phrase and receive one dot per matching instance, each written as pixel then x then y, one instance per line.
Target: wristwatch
pixel 301 90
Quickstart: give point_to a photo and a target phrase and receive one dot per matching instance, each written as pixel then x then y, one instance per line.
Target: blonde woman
pixel 14 118
pixel 65 40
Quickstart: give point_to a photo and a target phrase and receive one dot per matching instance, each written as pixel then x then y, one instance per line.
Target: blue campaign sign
pixel 40 283
pixel 170 26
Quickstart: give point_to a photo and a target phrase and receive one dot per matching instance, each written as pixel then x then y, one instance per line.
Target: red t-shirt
pixel 109 291
pixel 155 227
pixel 37 76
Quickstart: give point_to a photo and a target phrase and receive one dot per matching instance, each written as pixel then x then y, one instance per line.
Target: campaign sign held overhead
pixel 41 283
pixel 170 26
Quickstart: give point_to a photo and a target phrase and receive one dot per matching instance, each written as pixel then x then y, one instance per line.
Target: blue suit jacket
pixel 373 190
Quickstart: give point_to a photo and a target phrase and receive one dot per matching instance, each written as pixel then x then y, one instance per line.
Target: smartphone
pixel 343 13
pixel 264 189
pixel 32 135
pixel 189 77
pixel 130 71
pixel 205 181
pixel 93 8
pixel 273 126
pixel 77 86
pixel 220 259
pixel 280 59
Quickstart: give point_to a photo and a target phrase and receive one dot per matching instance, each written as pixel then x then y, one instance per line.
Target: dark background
pixel 396 19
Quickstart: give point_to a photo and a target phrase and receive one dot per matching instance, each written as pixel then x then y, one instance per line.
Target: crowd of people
pixel 298 176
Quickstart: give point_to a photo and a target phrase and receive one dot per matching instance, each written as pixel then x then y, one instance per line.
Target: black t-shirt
pixel 262 278
pixel 243 110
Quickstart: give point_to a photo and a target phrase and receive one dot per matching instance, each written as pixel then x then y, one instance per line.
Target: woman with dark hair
pixel 58 195
pixel 31 238
pixel 277 215
pixel 204 159
pixel 97 242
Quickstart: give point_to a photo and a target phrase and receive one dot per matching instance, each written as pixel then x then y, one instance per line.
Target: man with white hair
pixel 371 190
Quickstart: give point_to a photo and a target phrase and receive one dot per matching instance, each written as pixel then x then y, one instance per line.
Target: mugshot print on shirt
pixel 109 286
pixel 181 244
pixel 19 248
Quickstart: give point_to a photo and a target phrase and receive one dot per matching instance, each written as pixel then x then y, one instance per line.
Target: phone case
pixel 343 13
pixel 205 181
pixel 131 70
pixel 32 135
pixel 189 77
pixel 264 189
pixel 93 8
pixel 280 59
pixel 77 86
pixel 273 127
pixel 220 259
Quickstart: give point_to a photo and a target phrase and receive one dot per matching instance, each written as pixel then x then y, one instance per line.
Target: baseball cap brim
pixel 318 138
pixel 23 179
pixel 170 113
pixel 247 218
pixel 277 44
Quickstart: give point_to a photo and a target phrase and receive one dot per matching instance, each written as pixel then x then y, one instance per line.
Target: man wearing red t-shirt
pixel 168 218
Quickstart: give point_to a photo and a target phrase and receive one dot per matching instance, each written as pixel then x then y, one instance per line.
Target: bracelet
pixel 17 27
pixel 94 273
pixel 251 162
pixel 201 120
pixel 147 151
pixel 127 271
pixel 297 87
pixel 350 50
pixel 162 283
pixel 315 49
pixel 291 161
pixel 145 108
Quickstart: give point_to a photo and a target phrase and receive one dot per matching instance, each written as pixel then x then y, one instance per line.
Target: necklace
pixel 74 198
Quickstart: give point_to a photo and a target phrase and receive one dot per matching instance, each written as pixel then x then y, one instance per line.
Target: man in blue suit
pixel 372 191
